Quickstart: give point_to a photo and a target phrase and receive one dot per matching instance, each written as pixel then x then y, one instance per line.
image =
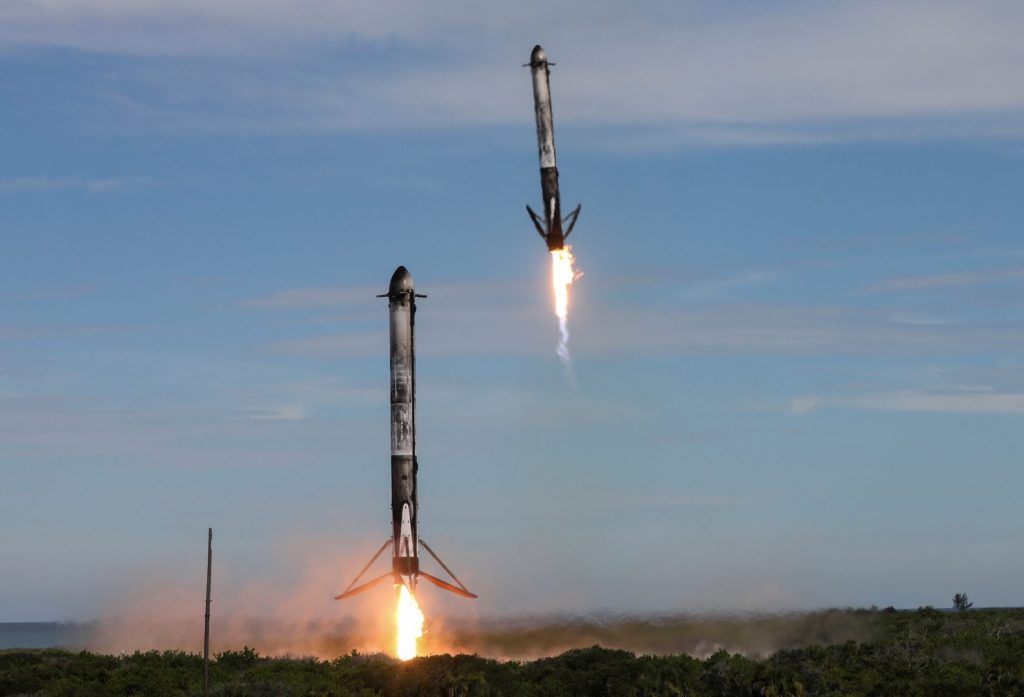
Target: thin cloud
pixel 332 345
pixel 951 280
pixel 717 288
pixel 332 297
pixel 27 332
pixel 296 400
pixel 959 401
pixel 516 324
pixel 95 185
pixel 796 329
pixel 312 298
pixel 690 73
pixel 59 292
pixel 676 500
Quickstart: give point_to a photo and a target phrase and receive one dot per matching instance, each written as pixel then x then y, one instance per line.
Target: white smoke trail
pixel 563 349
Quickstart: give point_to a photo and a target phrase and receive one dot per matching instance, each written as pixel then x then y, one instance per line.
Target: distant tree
pixel 962 602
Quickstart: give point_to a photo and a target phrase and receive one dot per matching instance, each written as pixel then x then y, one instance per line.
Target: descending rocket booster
pixel 550 227
pixel 404 540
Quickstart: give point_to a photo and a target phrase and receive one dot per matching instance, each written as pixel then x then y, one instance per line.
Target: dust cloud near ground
pixel 162 609
pixel 297 616
pixel 502 638
pixel 697 635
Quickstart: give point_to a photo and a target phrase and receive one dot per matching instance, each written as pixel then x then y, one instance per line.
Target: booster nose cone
pixel 538 56
pixel 401 281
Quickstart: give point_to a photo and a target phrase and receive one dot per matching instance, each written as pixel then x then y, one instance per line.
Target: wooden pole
pixel 206 633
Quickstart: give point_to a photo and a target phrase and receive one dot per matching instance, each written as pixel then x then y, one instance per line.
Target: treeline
pixel 924 652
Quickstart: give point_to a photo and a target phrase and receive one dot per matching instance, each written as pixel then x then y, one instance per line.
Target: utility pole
pixel 206 633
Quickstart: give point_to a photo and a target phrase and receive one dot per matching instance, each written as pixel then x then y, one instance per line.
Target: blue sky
pixel 796 343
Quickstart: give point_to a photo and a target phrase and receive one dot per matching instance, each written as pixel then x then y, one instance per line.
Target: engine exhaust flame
pixel 562 276
pixel 409 620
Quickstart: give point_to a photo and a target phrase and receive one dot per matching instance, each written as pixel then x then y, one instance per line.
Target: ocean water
pixel 41 635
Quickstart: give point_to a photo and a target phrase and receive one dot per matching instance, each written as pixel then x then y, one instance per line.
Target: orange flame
pixel 409 619
pixel 562 275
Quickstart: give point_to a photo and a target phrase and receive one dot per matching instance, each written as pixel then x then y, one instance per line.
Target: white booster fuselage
pixel 542 108
pixel 402 313
pixel 404 541
pixel 550 226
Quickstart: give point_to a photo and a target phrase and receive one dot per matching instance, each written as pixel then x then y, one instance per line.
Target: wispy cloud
pixel 473 319
pixel 1003 252
pixel 332 297
pixel 626 500
pixel 799 329
pixel 961 279
pixel 93 185
pixel 292 401
pixel 25 332
pixel 714 289
pixel 964 400
pixel 312 298
pixel 353 344
pixel 47 294
pixel 684 73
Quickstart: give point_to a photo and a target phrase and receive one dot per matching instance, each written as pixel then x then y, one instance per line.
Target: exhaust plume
pixel 562 276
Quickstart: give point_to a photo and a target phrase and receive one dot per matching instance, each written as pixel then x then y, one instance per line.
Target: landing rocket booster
pixel 404 541
pixel 551 226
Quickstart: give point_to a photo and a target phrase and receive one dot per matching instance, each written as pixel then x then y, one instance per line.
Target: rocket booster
pixel 404 541
pixel 550 227
pixel 401 297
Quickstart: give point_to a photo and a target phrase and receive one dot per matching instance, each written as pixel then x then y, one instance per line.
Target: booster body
pixel 404 541
pixel 551 226
pixel 402 315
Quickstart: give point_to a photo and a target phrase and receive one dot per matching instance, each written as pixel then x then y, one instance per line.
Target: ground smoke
pixel 696 635
pixel 507 638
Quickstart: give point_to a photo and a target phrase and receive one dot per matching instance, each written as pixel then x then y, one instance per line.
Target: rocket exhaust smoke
pixel 159 611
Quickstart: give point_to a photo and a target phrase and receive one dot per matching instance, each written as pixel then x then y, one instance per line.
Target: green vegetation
pixel 923 652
